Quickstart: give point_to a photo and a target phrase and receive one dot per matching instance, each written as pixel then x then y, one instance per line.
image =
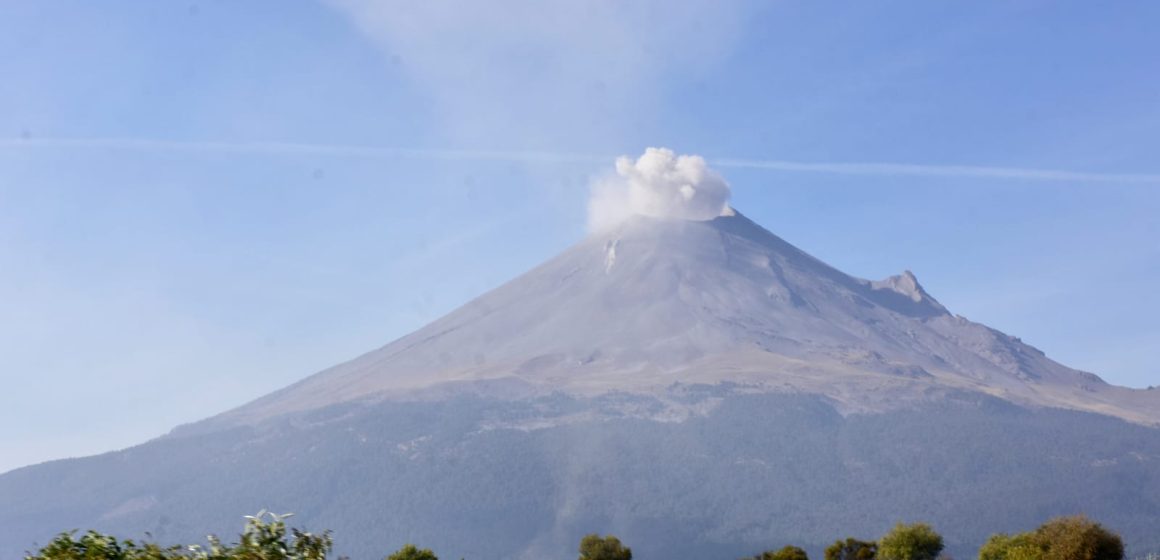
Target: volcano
pixel 699 388
pixel 657 302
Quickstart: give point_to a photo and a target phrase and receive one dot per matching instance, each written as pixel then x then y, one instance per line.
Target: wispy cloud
pixel 547 72
pixel 902 169
pixel 294 148
pixel 359 151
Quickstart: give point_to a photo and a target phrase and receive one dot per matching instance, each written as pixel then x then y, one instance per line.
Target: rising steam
pixel 660 184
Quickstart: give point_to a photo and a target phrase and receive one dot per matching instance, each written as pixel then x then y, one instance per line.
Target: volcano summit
pixel 698 387
pixel 654 303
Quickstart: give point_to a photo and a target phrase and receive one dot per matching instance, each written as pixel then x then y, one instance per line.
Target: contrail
pixel 357 151
pixel 293 148
pixel 895 169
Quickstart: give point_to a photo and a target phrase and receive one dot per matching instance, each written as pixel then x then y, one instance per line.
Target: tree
pixel 786 553
pixel 852 549
pixel 595 547
pixel 266 540
pixel 411 552
pixel 262 539
pixel 910 542
pixel 1062 538
pixel 96 546
pixel 1078 538
pixel 1020 546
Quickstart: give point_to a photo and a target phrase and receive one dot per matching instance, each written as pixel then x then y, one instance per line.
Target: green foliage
pixel 260 540
pixel 266 537
pixel 595 547
pixel 910 542
pixel 852 549
pixel 786 553
pixel 1010 547
pixel 411 552
pixel 1078 538
pixel 95 546
pixel 1062 538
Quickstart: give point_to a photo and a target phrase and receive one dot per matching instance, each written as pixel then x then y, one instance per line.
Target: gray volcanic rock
pixel 701 389
pixel 655 302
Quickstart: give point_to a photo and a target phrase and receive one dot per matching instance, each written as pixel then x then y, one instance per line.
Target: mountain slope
pixel 701 389
pixel 754 472
pixel 655 302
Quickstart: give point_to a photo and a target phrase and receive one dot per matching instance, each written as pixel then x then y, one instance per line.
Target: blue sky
pixel 201 202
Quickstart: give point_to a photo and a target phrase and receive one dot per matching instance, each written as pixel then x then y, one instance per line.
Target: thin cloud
pixel 357 151
pixel 902 169
pixel 549 73
pixel 293 148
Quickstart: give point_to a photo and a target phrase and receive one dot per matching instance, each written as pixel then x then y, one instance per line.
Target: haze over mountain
pixel 681 377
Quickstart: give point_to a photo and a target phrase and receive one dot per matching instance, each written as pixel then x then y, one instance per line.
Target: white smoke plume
pixel 659 184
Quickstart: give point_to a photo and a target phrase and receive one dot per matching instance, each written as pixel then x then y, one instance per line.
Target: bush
pixel 260 540
pixel 1078 538
pixel 786 553
pixel 910 542
pixel 266 537
pixel 1010 547
pixel 411 552
pixel 852 549
pixel 95 546
pixel 595 547
pixel 1062 538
